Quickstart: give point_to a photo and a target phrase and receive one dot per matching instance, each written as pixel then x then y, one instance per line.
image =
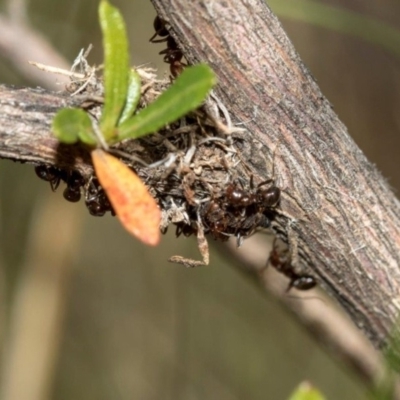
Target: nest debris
pixel 199 169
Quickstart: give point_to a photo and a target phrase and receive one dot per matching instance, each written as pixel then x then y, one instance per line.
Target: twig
pixel 20 43
pixel 314 310
pixel 39 306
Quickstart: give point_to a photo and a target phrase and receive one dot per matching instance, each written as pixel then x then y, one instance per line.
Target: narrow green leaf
pixel 306 392
pixel 186 94
pixel 133 96
pixel 73 124
pixel 116 67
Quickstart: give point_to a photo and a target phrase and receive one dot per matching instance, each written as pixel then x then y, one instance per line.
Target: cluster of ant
pixel 237 213
pixel 172 54
pixel 95 198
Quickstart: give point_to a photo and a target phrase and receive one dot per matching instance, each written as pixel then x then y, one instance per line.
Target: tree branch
pixel 337 212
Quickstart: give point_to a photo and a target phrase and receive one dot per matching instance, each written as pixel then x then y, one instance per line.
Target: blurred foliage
pixel 341 20
pixel 306 392
pixel 130 324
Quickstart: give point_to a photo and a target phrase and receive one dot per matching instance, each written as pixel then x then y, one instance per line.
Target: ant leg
pixel 252 182
pixel 153 40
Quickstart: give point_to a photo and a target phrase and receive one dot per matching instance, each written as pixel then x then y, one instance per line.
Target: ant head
pixel 269 196
pixel 46 172
pixel 50 174
pixel 159 27
pixel 237 197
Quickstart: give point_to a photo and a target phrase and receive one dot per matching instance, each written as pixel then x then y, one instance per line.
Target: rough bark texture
pixel 337 212
pixel 25 119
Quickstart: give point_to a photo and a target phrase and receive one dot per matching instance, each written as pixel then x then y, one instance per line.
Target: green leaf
pixel 306 392
pixel 186 94
pixel 133 96
pixel 72 124
pixel 116 67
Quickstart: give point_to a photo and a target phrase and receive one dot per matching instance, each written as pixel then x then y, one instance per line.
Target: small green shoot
pixel 122 94
pixel 133 96
pixel 116 67
pixel 186 94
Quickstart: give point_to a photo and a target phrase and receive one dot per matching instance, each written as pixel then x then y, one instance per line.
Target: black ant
pixel 50 174
pixel 96 199
pixel 264 197
pixel 172 54
pixel 297 281
pixel 54 176
pixel 74 183
pixel 217 220
pixel 239 212
pixel 252 208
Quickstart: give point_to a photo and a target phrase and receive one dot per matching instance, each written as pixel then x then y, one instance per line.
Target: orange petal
pixel 135 207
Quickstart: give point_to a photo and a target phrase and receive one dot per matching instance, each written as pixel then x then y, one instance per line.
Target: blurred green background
pixel 112 318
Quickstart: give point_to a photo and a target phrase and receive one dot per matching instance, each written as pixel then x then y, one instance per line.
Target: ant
pixel 264 197
pixel 217 220
pixel 252 207
pixel 297 281
pixel 50 174
pixel 74 183
pixel 96 199
pixel 54 176
pixel 172 54
pixel 240 212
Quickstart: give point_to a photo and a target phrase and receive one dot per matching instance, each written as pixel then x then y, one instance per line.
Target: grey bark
pixel 337 212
